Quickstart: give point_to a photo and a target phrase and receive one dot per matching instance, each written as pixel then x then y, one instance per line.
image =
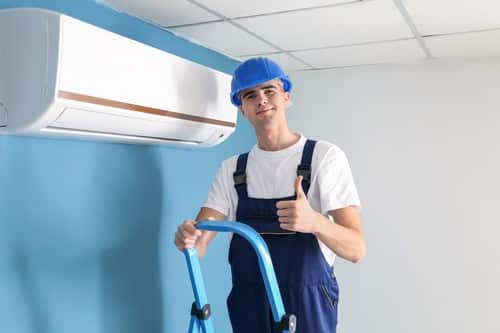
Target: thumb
pixel 298 187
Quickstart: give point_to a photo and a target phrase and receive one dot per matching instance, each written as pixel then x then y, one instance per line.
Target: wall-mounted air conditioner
pixel 61 77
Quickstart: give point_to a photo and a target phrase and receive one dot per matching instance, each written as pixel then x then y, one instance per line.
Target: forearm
pixel 347 243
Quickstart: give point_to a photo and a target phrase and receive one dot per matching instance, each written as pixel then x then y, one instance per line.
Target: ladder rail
pixel 262 251
pixel 287 323
pixel 199 292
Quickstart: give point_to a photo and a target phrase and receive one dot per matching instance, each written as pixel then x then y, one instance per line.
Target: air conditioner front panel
pixel 139 74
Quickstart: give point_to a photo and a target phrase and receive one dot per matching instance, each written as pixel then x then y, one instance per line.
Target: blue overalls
pixel 307 283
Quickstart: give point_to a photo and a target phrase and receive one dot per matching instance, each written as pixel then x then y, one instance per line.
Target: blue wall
pixel 86 228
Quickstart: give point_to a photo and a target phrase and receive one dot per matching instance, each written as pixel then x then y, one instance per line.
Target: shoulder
pixel 325 150
pixel 230 163
pixel 228 166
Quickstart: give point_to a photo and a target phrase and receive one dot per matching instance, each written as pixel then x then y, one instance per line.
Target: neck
pixel 276 139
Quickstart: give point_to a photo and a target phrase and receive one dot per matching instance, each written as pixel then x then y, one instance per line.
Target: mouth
pixel 264 111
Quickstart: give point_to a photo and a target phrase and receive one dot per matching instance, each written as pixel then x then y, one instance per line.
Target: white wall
pixel 423 142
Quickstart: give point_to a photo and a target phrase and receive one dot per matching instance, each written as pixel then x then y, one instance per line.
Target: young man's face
pixel 265 102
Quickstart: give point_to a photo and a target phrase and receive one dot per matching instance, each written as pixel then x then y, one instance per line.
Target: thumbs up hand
pixel 297 215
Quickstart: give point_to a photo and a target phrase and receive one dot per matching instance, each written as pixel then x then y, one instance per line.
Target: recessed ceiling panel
pixel 285 61
pixel 161 12
pixel 224 37
pixel 232 8
pixel 447 16
pixel 340 25
pixel 465 45
pixel 406 50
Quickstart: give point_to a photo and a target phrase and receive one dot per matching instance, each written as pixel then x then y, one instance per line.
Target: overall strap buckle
pixel 304 170
pixel 239 177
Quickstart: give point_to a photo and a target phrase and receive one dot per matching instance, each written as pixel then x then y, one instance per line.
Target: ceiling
pixel 319 34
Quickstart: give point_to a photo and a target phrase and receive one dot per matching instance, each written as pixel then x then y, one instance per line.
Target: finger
pixel 189 235
pixel 282 212
pixel 192 233
pixel 186 247
pixel 286 219
pixel 286 226
pixel 185 231
pixel 298 187
pixel 189 242
pixel 181 243
pixel 189 227
pixel 177 242
pixel 284 204
pixel 182 239
pixel 182 234
pixel 186 242
pixel 288 212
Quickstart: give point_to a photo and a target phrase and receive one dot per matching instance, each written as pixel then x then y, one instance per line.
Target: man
pixel 298 194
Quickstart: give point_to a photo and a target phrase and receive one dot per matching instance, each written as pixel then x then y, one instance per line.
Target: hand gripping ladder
pixel 200 310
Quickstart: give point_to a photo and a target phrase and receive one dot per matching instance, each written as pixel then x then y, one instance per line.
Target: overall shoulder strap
pixel 304 168
pixel 240 175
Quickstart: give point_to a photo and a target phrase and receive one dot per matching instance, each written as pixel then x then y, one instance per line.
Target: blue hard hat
pixel 253 72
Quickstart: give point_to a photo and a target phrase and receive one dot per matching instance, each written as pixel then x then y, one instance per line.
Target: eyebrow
pixel 261 88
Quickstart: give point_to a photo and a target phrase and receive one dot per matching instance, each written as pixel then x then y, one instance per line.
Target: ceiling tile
pixel 464 45
pixel 285 61
pixel 231 8
pixel 224 37
pixel 447 16
pixel 399 51
pixel 161 12
pixel 354 23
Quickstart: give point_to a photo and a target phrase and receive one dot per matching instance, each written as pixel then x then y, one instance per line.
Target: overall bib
pixel 307 283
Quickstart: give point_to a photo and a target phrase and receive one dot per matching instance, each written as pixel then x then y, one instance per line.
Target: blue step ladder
pixel 200 310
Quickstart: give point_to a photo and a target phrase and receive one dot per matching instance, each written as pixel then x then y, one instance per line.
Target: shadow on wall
pixel 81 229
pixel 129 270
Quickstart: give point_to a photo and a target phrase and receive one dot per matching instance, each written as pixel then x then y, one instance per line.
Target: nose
pixel 262 99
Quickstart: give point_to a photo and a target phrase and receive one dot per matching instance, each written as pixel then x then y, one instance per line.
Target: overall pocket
pixel 332 300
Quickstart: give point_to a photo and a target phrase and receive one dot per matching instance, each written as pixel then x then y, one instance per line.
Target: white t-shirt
pixel 272 174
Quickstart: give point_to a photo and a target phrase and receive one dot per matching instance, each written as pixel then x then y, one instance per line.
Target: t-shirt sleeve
pixel 337 188
pixel 218 197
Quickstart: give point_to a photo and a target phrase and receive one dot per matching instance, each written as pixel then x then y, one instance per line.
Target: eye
pixel 269 91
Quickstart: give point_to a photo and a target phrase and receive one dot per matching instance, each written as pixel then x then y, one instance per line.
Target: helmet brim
pixel 235 96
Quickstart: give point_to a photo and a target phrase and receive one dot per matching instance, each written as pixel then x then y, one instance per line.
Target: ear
pixel 288 100
pixel 287 96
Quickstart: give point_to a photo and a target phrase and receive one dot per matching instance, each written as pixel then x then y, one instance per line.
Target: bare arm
pixel 187 236
pixel 345 236
pixel 207 236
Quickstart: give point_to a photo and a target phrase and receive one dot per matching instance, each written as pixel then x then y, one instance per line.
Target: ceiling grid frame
pixel 406 16
pixel 413 14
pixel 230 21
